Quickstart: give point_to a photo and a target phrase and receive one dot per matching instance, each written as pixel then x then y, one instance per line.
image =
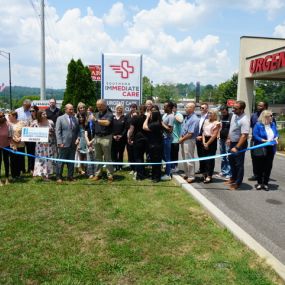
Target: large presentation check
pixel 35 134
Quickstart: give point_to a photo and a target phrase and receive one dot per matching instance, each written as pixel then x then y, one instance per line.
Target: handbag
pixel 261 151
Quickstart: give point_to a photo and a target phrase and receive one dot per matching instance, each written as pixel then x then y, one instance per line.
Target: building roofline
pixel 265 52
pixel 255 37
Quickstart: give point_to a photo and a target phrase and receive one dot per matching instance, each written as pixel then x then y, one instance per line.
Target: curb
pixel 236 230
pixel 280 154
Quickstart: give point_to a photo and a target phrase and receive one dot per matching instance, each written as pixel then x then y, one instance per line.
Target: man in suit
pixel 67 132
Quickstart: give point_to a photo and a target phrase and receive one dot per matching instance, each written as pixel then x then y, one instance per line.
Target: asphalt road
pixel 260 213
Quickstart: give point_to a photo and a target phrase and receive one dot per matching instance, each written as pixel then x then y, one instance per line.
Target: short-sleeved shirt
pixel 168 119
pixel 239 125
pixel 100 130
pixel 53 114
pixel 119 126
pixel 190 125
pixel 226 122
pixel 177 127
pixel 139 134
pixel 23 115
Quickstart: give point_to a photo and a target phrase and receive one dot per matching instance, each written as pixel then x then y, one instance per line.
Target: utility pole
pixel 43 59
pixel 8 56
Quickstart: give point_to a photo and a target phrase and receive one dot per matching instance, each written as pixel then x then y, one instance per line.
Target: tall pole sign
pixel 95 72
pixel 121 79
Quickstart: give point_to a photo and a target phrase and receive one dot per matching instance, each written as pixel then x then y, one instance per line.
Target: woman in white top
pixel 210 133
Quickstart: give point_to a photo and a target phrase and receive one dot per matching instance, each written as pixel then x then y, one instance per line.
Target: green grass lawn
pixel 281 145
pixel 127 232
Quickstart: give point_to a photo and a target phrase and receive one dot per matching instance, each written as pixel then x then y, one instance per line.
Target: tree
pixel 147 89
pixel 227 90
pixel 79 85
pixel 207 93
pixel 19 103
pixel 166 92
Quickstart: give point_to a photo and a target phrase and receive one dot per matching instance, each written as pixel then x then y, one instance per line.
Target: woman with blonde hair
pixel 211 128
pixel 81 108
pixel 265 130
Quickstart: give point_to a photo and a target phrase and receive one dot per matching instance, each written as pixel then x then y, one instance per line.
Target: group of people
pixel 84 135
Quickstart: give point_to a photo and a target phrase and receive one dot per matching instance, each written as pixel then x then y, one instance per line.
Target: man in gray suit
pixel 67 132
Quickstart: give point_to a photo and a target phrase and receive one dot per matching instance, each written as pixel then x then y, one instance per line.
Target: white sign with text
pixel 121 79
pixel 35 134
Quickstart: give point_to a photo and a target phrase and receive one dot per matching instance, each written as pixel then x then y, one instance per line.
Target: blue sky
pixel 181 41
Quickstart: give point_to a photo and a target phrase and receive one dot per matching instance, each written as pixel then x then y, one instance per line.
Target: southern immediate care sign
pixel 121 79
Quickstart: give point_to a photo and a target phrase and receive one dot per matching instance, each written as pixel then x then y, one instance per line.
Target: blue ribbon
pixel 140 163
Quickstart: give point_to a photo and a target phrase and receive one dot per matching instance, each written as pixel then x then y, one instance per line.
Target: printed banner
pixel 121 79
pixel 35 134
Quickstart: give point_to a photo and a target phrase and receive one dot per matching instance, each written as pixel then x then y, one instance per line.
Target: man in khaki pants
pixel 103 139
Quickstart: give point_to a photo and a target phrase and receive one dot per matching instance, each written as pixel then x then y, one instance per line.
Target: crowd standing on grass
pixel 85 135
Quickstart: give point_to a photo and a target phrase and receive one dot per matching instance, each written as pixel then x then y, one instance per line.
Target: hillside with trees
pixel 80 87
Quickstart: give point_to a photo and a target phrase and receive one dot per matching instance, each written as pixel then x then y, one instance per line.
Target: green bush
pixel 281 144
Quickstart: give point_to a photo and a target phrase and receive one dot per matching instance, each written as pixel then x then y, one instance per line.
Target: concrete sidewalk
pixel 260 214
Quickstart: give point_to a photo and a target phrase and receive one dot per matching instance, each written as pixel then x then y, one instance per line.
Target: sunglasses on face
pixel 31 111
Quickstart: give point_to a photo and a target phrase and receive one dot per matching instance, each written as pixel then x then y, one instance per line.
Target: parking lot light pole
pixel 7 56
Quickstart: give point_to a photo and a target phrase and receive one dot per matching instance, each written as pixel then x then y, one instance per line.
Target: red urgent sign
pixel 267 63
pixel 95 72
pixel 231 102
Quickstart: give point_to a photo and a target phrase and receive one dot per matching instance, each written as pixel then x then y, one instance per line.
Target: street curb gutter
pixel 237 231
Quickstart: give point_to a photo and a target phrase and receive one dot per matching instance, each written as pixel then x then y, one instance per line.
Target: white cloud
pixel 166 58
pixel 279 31
pixel 178 13
pixel 272 7
pixel 116 15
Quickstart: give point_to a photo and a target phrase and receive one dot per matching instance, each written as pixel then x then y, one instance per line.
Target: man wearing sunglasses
pixel 237 141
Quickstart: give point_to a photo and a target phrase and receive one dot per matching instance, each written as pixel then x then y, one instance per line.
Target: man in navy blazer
pixel 67 132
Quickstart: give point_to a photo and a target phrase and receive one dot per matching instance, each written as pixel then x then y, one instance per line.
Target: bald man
pixel 103 139
pixel 187 141
pixel 67 133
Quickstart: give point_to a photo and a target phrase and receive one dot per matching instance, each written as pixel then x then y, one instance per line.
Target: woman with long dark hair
pixel 119 136
pixel 82 147
pixel 139 141
pixel 153 126
pixel 130 146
